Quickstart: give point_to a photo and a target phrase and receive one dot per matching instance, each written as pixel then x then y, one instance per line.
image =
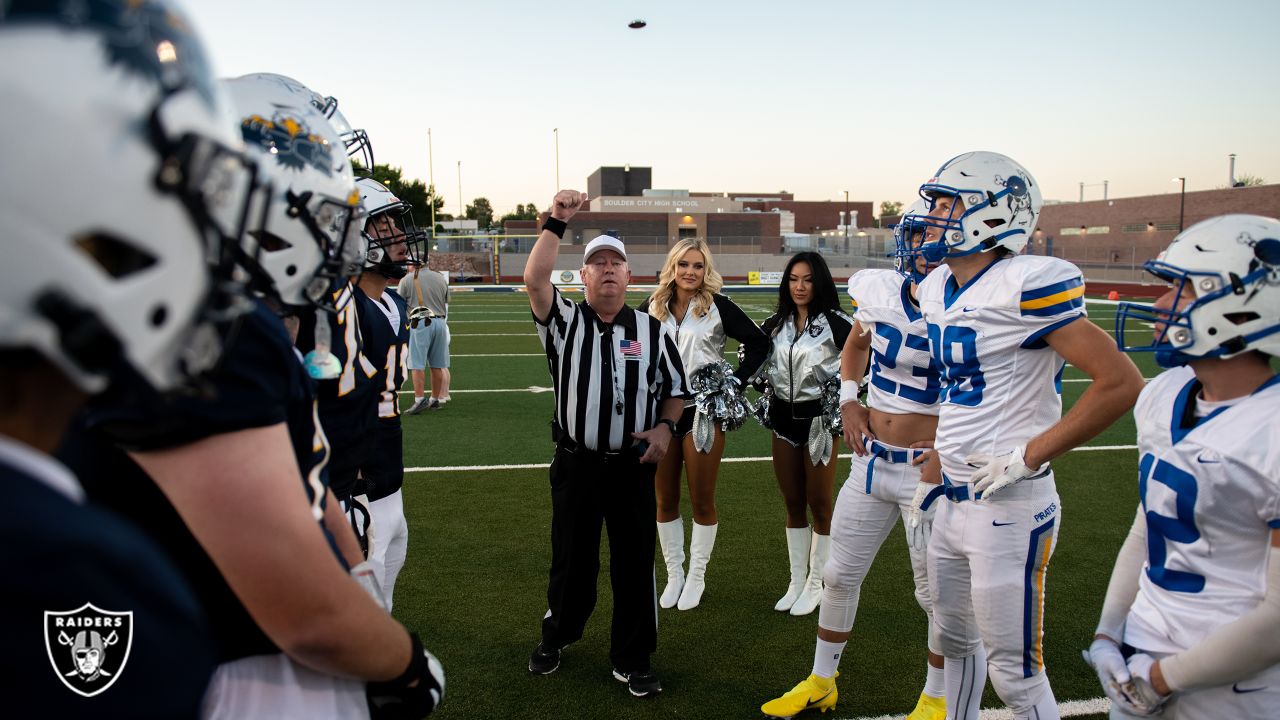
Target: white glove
pixel 1105 659
pixel 919 520
pixel 996 472
pixel 1145 698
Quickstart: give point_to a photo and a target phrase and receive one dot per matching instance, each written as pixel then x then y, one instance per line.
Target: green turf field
pixel 475 581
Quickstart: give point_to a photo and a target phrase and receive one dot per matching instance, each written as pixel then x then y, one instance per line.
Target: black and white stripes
pixel 609 378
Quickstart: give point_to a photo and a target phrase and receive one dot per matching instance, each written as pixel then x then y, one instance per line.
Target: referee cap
pixel 604 242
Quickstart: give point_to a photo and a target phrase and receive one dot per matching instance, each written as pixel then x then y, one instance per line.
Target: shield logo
pixel 88 647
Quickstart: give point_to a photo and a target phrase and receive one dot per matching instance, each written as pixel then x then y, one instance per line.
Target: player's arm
pixel 1232 652
pixel 238 493
pixel 542 259
pixel 1113 389
pixel 853 363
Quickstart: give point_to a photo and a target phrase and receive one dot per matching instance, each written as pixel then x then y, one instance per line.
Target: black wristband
pixel 671 424
pixel 556 226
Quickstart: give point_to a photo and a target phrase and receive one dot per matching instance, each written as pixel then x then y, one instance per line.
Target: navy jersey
pixel 348 404
pixel 68 554
pixel 260 383
pixel 386 332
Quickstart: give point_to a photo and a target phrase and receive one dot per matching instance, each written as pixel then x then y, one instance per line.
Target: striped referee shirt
pixel 609 378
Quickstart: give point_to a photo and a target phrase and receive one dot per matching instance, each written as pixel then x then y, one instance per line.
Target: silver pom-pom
pixel 761 411
pixel 717 397
pixel 820 444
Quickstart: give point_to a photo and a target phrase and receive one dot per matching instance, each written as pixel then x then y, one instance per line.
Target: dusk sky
pixel 812 97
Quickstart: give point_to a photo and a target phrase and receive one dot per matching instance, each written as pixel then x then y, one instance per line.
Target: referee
pixel 619 387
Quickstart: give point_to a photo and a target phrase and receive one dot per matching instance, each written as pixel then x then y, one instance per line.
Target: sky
pixel 812 97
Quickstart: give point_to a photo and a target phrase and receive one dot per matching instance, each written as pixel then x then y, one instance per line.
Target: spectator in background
pixel 427 294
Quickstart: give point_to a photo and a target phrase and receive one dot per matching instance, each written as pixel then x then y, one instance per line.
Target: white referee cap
pixel 604 242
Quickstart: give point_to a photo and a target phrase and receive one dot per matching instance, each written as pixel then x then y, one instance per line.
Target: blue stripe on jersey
pixel 1057 379
pixel 1053 289
pixel 909 307
pixel 1035 340
pixel 1033 600
pixel 1274 524
pixel 1056 309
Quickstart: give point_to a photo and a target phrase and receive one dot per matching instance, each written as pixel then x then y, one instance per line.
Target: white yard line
pixel 761 458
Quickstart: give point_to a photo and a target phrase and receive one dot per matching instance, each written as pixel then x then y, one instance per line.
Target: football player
pixel 394 240
pixel 298 635
pixel 124 186
pixel 885 480
pixel 1194 599
pixel 1000 327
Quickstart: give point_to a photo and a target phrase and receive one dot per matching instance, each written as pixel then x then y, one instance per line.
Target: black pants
pixel 588 490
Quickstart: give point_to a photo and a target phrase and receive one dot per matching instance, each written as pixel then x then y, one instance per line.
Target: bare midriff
pixel 901 429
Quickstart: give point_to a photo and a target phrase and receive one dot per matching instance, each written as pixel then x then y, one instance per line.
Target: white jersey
pixel 1001 382
pixel 1210 490
pixel 904 378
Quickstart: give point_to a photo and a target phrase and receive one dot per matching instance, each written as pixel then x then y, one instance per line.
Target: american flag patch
pixel 631 348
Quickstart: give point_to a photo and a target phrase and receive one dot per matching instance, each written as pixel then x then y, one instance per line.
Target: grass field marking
pixel 1070 708
pixel 500 355
pixel 531 333
pixel 762 458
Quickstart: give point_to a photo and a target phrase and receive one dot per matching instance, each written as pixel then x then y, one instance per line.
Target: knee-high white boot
pixel 671 537
pixel 704 539
pixel 798 551
pixel 812 595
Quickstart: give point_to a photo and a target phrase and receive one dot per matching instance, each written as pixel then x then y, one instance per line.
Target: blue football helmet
pixel 1230 265
pixel 908 236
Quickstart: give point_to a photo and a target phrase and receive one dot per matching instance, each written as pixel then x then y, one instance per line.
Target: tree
pixel 481 211
pixel 890 208
pixel 523 212
pixel 1249 181
pixel 414 192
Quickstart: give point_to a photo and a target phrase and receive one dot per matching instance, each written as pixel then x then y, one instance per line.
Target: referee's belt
pixel 571 446
pixel 880 452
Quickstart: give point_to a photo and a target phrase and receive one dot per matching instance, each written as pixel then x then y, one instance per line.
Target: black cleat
pixel 642 684
pixel 544 661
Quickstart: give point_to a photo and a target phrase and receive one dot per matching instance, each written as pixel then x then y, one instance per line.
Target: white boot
pixel 671 536
pixel 798 550
pixel 704 538
pixel 812 595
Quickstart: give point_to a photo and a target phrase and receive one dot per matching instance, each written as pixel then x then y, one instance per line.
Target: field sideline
pixel 479 511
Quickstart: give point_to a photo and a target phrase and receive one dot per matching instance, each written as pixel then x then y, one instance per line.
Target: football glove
pixel 1106 660
pixel 920 519
pixel 1146 700
pixel 997 472
pixel 413 695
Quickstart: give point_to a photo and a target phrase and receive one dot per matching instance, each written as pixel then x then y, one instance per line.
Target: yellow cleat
pixel 813 693
pixel 929 708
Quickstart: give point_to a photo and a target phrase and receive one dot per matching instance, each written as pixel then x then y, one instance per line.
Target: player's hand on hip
pixel 856 419
pixel 567 203
pixel 997 472
pixel 920 516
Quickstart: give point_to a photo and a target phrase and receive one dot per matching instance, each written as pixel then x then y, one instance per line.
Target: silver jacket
pixel 792 358
pixel 700 339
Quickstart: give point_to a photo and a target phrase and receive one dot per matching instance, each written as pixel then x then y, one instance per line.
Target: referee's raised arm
pixel 542 260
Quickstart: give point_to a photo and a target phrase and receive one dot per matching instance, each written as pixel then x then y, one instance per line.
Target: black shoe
pixel 544 661
pixel 642 684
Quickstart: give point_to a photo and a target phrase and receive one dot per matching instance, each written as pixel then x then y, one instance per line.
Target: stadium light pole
pixel 1182 199
pixel 431 178
pixel 462 204
pixel 847 219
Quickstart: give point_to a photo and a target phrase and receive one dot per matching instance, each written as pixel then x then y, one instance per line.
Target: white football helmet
pixel 1001 205
pixel 388 228
pixel 908 238
pixel 124 194
pixel 356 141
pixel 1231 264
pixel 311 240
